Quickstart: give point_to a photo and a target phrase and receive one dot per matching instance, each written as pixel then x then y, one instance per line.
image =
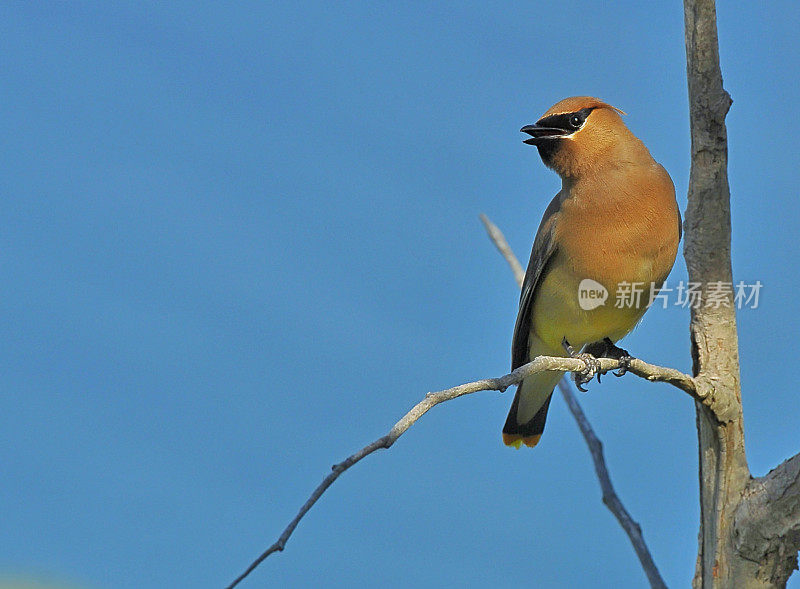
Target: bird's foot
pixel 587 374
pixel 624 365
pixel 605 348
pixel 592 366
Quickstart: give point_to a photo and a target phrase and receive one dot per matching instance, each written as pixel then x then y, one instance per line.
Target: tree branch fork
pixel 768 515
pixel 767 519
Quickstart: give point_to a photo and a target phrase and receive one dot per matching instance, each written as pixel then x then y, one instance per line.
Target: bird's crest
pixel 576 103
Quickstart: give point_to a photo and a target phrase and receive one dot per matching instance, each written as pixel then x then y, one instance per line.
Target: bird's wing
pixel 544 247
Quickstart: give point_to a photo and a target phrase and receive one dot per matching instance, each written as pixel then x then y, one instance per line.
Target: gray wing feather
pixel 543 249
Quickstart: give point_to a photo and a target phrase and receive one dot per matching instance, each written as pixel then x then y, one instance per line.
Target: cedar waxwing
pixel 615 222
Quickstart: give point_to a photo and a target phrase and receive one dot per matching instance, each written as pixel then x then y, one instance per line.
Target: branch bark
pixel 723 465
pixel 767 523
pixel 750 528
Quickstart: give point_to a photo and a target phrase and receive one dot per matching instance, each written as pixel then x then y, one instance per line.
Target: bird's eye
pixel 576 121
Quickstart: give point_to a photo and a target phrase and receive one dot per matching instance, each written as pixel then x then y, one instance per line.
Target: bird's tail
pixel 525 422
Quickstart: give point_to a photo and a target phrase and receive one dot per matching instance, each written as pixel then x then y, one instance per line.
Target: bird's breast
pixel 586 306
pixel 614 250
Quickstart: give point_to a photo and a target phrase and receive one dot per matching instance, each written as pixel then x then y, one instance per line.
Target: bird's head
pixel 579 134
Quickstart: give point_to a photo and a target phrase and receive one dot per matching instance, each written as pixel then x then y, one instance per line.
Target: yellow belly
pixel 559 311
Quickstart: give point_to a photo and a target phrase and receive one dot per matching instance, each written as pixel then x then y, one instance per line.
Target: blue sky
pixel 238 243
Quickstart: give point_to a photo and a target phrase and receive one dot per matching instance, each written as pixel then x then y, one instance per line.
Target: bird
pixel 615 222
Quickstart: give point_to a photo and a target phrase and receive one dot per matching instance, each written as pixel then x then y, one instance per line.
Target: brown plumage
pixel 614 221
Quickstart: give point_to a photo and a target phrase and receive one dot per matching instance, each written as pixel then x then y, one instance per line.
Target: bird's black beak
pixel 541 134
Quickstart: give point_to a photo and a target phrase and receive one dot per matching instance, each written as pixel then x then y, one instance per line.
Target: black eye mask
pixel 570 122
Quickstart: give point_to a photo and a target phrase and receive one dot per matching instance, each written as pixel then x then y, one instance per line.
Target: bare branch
pixel 768 523
pixel 499 240
pixel 671 376
pixel 538 364
pixel 610 498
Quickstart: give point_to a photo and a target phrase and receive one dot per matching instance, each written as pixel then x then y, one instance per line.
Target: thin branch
pixel 538 364
pixel 671 376
pixel 610 498
pixel 499 240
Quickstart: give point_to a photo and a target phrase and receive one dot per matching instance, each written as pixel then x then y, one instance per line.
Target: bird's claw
pixel 605 348
pixel 624 365
pixel 591 369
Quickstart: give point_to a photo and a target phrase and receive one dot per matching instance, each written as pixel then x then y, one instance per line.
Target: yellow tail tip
pixel 517 440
